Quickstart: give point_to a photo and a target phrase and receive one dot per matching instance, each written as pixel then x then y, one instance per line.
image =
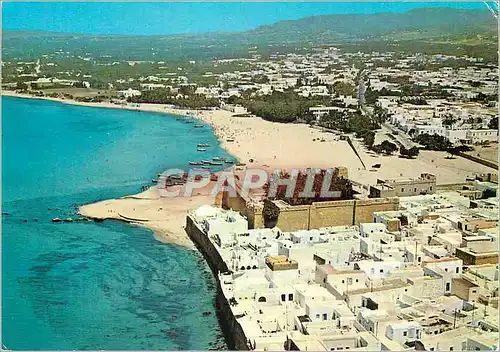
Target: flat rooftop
pixel 281 262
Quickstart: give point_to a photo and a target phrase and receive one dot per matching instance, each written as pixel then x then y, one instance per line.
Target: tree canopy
pixel 433 142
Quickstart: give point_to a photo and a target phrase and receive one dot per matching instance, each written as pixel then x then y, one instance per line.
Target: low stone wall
pixel 364 208
pixel 453 186
pixel 334 213
pixel 233 332
pixel 316 215
pixel 294 218
pixel 326 214
pixel 479 160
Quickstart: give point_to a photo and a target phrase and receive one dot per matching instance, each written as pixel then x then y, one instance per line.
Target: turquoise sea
pixel 93 285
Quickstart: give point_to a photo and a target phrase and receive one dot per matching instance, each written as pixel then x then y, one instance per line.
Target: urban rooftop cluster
pixel 423 277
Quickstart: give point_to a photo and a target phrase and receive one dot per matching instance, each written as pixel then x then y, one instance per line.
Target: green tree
pixel 368 138
pixel 413 152
pixel 449 121
pixel 343 88
pixel 380 115
pixel 460 149
pixel 388 147
pixel 433 142
pixel 22 86
pixel 409 153
pixel 270 213
pixel 493 123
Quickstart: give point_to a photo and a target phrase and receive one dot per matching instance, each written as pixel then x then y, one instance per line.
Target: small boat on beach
pixel 202 149
pixel 203 145
pixel 230 140
pixel 154 180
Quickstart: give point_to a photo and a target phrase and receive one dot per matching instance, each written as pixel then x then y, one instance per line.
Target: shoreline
pixel 165 217
pixel 145 107
pixel 262 144
pixel 170 227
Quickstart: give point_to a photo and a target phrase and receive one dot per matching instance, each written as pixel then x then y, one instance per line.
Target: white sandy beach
pixel 271 144
pixel 164 216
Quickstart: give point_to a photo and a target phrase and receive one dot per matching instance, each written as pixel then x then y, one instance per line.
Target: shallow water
pixel 93 285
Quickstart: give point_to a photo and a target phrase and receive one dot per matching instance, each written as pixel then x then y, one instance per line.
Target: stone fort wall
pixel 316 215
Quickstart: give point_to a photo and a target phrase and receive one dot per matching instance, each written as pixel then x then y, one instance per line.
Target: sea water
pixel 91 285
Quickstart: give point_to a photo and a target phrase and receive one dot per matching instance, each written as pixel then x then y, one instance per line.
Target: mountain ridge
pixel 416 25
pixel 326 20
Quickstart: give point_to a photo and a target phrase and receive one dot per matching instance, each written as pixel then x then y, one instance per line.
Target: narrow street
pixel 400 136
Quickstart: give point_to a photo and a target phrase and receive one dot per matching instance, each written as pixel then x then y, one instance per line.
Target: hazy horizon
pixel 183 18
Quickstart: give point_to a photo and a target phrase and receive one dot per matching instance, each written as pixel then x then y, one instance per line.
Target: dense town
pixel 417 269
pixel 417 273
pixel 441 95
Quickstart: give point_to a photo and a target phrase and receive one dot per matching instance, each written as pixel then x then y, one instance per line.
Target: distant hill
pixel 417 24
pixel 374 26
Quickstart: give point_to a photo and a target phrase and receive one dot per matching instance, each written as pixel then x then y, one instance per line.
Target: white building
pixel 129 93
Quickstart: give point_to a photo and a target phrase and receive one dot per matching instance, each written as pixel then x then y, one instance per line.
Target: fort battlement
pixel 316 215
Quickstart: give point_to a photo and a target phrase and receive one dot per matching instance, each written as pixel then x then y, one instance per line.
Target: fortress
pixel 305 217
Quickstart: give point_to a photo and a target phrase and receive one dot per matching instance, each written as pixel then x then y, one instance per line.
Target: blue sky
pixel 183 17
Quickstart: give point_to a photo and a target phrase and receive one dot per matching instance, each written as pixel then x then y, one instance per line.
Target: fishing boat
pixel 195 163
pixel 203 145
pixel 216 163
pixel 230 140
pixel 199 126
pixel 240 164
pixel 202 149
pixel 154 180
pixel 56 220
pixel 206 162
pixel 218 158
pixel 229 161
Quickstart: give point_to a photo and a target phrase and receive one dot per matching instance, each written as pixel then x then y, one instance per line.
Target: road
pixel 400 136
